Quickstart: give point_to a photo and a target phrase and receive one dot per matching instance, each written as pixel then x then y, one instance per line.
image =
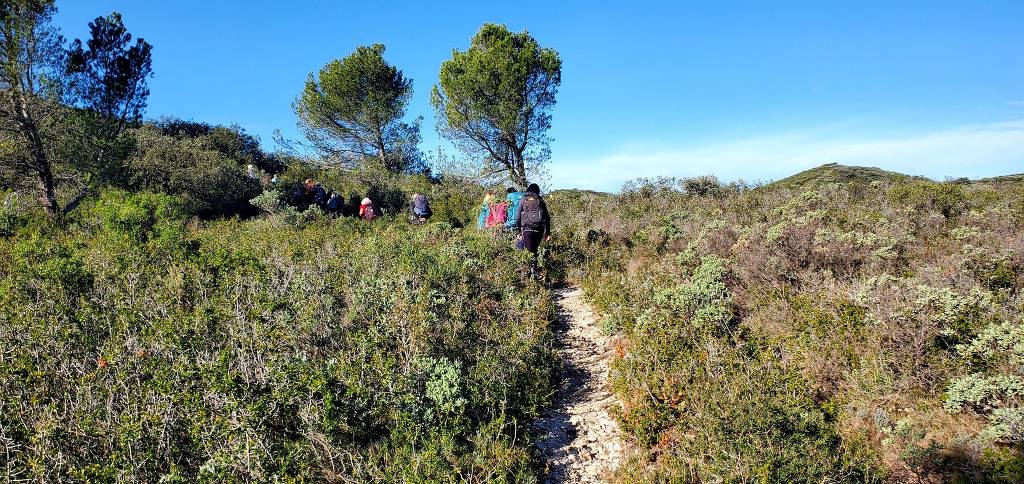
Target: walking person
pixel 367 211
pixel 319 196
pixel 309 188
pixel 334 203
pixel 534 223
pixel 485 211
pixel 513 198
pixel 419 208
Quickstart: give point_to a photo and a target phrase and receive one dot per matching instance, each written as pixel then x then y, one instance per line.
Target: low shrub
pixel 138 345
pixel 762 329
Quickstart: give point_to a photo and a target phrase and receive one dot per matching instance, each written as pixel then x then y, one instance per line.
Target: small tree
pixel 58 106
pixel 353 108
pixel 494 101
pixel 31 52
pixel 107 82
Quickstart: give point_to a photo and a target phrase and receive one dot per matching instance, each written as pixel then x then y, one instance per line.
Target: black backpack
pixel 531 213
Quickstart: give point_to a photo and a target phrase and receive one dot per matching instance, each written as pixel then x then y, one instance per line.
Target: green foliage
pixel 836 173
pixel 231 141
pixel 66 111
pixel 209 182
pixel 996 387
pixel 108 75
pixel 762 330
pixel 686 374
pixel 271 201
pixel 10 210
pixel 139 346
pixel 946 198
pixel 494 101
pixel 353 110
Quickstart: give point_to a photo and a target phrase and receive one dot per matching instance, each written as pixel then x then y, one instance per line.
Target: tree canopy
pixel 494 101
pixel 352 111
pixel 64 111
pixel 108 74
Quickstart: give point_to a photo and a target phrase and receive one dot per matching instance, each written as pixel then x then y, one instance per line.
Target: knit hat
pixel 367 201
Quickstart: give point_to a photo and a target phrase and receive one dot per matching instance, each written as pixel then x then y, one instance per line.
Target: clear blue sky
pixel 753 90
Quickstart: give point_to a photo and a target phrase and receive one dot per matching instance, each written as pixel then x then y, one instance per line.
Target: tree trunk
pixel 383 157
pixel 518 169
pixel 40 162
pixel 381 149
pixel 47 194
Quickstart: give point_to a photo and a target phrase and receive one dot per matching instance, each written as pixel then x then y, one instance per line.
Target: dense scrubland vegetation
pixel 844 324
pixel 168 314
pixel 141 345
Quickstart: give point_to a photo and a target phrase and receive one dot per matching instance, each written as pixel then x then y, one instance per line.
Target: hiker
pixel 420 208
pixel 497 214
pixel 298 197
pixel 307 194
pixel 273 179
pixel 334 203
pixel 485 210
pixel 533 220
pixel 513 197
pixel 367 211
pixel 320 196
pixel 251 172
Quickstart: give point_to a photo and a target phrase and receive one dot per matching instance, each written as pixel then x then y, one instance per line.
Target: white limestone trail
pixel 579 440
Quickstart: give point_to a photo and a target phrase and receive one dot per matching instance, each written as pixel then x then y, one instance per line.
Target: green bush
pixel 760 328
pixel 996 387
pixel 136 345
pixel 210 182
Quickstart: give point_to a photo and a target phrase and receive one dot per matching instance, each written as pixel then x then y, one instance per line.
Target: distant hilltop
pixel 837 173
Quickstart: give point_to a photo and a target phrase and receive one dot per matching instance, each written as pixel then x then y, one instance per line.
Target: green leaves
pixel 353 108
pixel 494 100
pixel 252 348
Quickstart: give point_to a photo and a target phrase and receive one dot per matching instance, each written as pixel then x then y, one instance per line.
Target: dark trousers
pixel 531 240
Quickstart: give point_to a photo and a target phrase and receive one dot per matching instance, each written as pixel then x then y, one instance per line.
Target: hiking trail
pixel 579 440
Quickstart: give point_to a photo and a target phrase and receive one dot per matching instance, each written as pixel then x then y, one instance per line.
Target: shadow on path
pixel 579 440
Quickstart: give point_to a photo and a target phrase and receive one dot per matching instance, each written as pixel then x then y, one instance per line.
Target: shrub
pixel 139 346
pixel 211 183
pixel 795 311
pixel 997 390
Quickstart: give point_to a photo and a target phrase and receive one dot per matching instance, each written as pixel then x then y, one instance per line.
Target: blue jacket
pixel 484 211
pixel 513 208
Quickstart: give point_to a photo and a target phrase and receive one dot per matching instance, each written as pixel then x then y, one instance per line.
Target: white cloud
pixel 971 151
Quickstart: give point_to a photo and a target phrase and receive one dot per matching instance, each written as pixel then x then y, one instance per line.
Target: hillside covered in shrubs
pixel 179 304
pixel 139 344
pixel 842 325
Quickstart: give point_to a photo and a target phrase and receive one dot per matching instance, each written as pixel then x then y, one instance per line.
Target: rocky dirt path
pixel 579 440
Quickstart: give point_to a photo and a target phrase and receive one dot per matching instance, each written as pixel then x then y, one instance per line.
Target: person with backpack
pixel 497 214
pixel 420 208
pixel 485 211
pixel 298 197
pixel 367 211
pixel 320 196
pixel 513 198
pixel 307 195
pixel 334 203
pixel 533 220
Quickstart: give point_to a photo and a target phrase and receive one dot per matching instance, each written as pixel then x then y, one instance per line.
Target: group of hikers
pixel 311 192
pixel 521 215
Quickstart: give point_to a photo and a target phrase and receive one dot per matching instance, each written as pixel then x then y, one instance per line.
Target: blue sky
pixel 752 90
